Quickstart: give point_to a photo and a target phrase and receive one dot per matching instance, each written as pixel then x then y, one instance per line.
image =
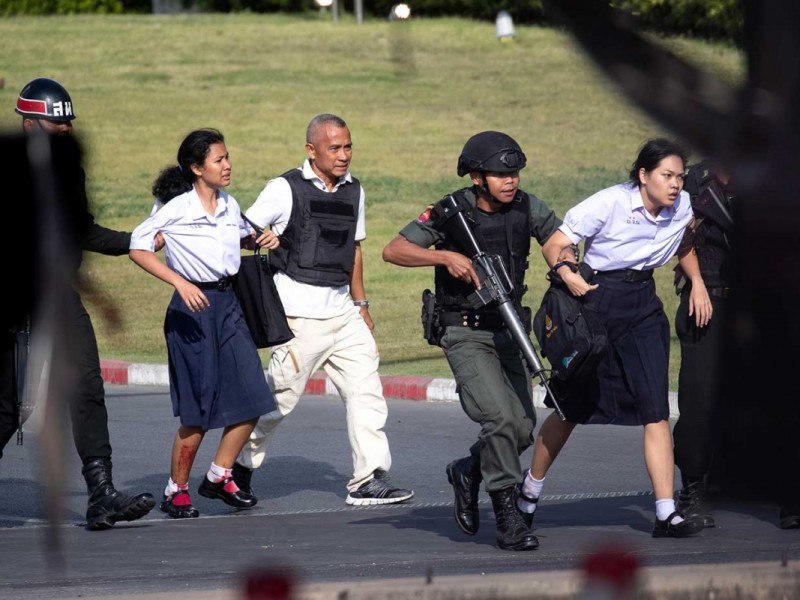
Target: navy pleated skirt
pixel 631 385
pixel 215 373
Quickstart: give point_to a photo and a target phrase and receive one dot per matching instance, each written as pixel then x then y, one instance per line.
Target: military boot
pixel 106 504
pixel 464 475
pixel 512 531
pixel 692 501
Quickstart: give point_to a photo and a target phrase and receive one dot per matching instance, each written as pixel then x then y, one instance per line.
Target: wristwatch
pixel 364 303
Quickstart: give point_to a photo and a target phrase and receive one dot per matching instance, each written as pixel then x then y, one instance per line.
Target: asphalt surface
pixel 597 497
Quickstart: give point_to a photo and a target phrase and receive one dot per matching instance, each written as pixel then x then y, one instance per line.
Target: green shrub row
pixel 714 19
pixel 61 7
pixel 719 19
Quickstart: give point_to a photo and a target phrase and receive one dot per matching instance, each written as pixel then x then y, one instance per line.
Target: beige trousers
pixel 345 349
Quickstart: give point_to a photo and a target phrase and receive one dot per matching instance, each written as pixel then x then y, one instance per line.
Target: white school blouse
pixel 621 234
pixel 199 246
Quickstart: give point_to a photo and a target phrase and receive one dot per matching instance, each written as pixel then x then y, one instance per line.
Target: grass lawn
pixel 412 93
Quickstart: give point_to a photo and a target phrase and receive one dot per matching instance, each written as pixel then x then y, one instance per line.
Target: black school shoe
pixel 689 526
pixel 183 509
pixel 243 476
pixel 227 491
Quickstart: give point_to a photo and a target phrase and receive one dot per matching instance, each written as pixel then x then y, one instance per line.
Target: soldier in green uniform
pixel 493 381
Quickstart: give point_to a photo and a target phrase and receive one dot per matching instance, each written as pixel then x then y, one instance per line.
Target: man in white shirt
pixel 316 218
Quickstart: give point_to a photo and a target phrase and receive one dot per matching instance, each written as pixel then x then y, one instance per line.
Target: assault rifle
pixel 496 286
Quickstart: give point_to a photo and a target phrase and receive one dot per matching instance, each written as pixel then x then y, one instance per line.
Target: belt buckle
pixel 632 276
pixel 222 284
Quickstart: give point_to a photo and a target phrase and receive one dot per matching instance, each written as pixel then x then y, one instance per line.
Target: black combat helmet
pixel 491 151
pixel 44 98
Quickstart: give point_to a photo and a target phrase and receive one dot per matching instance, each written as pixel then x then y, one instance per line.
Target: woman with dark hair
pixel 216 377
pixel 629 229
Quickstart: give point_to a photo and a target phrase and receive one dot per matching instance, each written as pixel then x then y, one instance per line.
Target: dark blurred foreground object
pixel 49 204
pixel 753 130
pixel 26 213
pixel 270 584
pixel 42 206
pixel 611 572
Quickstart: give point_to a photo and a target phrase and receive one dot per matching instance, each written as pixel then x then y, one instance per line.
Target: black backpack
pixel 572 337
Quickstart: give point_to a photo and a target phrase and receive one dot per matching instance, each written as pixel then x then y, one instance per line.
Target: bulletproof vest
pixel 506 233
pixel 318 245
pixel 712 207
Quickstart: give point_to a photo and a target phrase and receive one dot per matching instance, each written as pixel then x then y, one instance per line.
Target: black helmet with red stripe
pixel 44 98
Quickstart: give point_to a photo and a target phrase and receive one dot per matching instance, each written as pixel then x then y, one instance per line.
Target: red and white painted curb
pixel 395 387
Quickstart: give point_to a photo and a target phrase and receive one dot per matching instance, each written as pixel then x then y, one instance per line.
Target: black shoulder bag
pixel 572 337
pixel 259 299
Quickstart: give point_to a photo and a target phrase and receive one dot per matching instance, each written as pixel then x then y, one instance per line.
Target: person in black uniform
pixel 493 381
pixel 704 431
pixel 709 237
pixel 46 107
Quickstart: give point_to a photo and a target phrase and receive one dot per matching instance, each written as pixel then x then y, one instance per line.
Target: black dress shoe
pixel 689 526
pixel 227 491
pixel 183 509
pixel 460 474
pixel 242 476
pixel 527 517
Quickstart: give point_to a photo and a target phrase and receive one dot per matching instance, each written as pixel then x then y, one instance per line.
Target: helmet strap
pixel 484 187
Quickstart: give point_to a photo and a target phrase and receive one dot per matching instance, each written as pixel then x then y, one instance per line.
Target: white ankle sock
pixel 664 508
pixel 173 487
pixel 532 488
pixel 216 473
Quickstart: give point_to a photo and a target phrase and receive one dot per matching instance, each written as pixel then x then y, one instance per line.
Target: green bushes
pixel 60 7
pixel 721 19
pixel 713 19
pixel 259 6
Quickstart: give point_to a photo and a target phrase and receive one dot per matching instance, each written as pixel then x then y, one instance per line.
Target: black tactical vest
pixel 318 244
pixel 712 234
pixel 506 233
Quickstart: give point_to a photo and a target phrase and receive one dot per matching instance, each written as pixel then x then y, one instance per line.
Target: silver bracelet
pixel 364 303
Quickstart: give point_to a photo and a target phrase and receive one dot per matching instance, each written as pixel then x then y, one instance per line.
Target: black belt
pixel 719 292
pixel 220 285
pixel 473 320
pixel 630 275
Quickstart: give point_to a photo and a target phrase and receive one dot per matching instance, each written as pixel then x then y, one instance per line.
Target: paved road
pixel 597 494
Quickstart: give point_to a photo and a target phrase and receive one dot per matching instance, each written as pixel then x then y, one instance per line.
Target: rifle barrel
pixel 506 308
pixel 524 342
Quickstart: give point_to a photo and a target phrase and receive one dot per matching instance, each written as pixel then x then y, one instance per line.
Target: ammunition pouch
pixel 432 329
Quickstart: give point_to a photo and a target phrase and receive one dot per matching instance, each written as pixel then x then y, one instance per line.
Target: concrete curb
pixel 395 387
pixel 756 581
